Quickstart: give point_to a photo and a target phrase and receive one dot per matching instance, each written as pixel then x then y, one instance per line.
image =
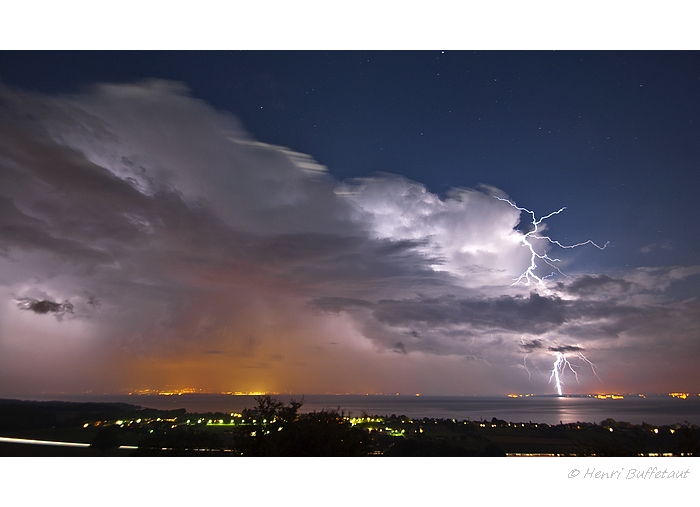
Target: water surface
pixel 654 409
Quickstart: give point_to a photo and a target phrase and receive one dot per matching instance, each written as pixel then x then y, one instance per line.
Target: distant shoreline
pixel 546 409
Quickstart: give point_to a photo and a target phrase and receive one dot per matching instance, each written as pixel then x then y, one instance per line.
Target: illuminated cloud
pixel 468 234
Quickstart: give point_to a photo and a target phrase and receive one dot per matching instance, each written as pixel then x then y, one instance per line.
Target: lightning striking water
pixel 555 372
pixel 560 365
pixel 529 275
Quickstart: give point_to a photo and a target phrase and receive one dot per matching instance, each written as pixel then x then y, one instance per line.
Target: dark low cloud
pixel 534 314
pixel 44 306
pixel 566 348
pixel 529 346
pixel 400 347
pixel 587 285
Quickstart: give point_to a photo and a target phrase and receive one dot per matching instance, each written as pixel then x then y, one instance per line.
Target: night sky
pixel 336 222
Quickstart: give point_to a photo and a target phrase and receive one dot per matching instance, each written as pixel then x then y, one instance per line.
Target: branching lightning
pixel 560 365
pixel 527 348
pixel 529 377
pixel 591 364
pixel 529 275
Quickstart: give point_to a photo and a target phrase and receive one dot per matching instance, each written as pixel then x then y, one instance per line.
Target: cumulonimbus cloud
pixel 195 237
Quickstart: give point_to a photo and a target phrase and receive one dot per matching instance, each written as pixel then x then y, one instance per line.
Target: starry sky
pixel 349 221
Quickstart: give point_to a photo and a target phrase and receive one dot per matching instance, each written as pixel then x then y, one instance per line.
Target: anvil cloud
pixel 147 240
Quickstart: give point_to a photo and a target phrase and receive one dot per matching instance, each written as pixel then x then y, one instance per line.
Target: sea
pixel 653 409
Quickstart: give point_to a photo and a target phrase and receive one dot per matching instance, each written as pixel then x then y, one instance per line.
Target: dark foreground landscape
pixel 273 428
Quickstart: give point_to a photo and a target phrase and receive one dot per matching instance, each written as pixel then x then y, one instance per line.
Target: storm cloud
pixel 211 253
pixel 596 284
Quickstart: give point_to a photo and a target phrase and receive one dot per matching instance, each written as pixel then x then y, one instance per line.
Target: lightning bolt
pixel 591 364
pixel 529 377
pixel 555 373
pixel 529 276
pixel 561 364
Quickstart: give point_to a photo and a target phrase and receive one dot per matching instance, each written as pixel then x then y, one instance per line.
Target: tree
pixel 270 410
pixel 281 431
